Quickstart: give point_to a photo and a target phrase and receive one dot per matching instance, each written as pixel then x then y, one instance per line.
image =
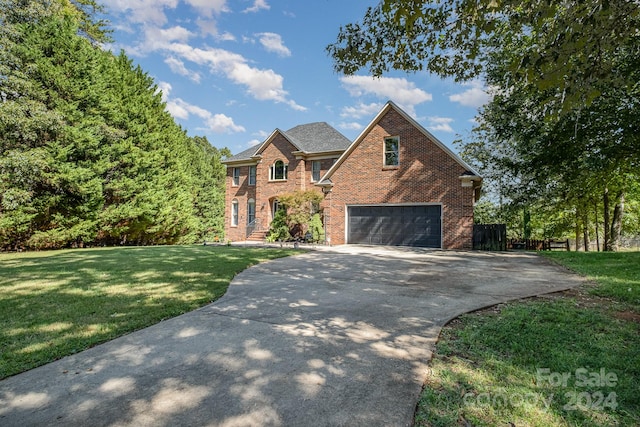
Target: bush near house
pixel 297 215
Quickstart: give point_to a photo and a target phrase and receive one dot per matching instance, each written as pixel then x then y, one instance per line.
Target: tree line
pixel 88 153
pixel 559 141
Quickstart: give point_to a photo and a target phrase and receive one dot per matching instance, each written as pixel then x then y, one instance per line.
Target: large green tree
pixel 89 154
pixel 571 45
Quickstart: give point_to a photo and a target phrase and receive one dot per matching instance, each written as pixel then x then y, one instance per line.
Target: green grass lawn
pixel 56 303
pixel 571 359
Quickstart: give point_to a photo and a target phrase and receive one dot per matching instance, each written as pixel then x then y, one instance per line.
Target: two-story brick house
pixel 396 184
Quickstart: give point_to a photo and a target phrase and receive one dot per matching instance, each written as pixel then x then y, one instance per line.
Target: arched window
pixel 234 213
pixel 278 171
pixel 251 211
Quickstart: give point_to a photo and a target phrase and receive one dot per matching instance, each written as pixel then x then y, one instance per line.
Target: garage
pixel 418 225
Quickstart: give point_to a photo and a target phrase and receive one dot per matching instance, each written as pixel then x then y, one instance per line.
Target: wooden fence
pixel 490 237
pixel 538 245
pixel 493 237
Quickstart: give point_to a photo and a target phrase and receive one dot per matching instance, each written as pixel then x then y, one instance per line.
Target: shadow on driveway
pixel 328 338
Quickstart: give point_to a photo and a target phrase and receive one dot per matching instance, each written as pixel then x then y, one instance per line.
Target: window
pixel 251 211
pixel 236 176
pixel 278 171
pixel 391 151
pixel 315 170
pixel 234 213
pixel 252 175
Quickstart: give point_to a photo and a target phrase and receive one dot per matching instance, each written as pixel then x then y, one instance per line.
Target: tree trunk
pixel 616 223
pixel 595 211
pixel 605 201
pixel 585 229
pixel 577 230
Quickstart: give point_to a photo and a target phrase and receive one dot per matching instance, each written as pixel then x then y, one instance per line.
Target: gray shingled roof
pixel 245 155
pixel 310 138
pixel 317 137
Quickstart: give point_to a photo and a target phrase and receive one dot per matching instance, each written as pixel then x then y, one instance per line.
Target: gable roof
pixel 325 180
pixel 318 137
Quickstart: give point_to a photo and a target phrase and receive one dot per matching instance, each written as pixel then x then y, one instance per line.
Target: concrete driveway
pixel 338 337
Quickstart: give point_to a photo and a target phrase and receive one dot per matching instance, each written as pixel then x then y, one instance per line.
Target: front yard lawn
pixel 567 359
pixel 56 303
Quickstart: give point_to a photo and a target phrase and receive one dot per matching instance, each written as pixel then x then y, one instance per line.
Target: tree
pixel 300 206
pixel 296 215
pixel 570 45
pixel 279 229
pixel 89 154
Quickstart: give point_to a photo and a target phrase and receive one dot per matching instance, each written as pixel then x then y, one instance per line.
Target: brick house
pixel 396 184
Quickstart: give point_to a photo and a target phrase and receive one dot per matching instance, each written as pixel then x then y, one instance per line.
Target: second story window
pixel 278 171
pixel 236 176
pixel 392 151
pixel 252 175
pixel 315 170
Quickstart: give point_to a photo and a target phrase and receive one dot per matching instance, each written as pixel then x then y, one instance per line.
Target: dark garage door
pixel 395 225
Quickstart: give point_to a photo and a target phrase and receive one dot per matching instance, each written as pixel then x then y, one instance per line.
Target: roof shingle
pixel 310 138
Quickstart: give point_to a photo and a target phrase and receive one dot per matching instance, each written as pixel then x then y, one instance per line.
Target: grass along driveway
pixel 567 359
pixel 56 303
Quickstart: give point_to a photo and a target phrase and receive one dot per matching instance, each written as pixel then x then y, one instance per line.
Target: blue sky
pixel 234 70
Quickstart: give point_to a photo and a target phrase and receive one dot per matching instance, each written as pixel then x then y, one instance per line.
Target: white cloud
pixel 258 5
pixel 400 90
pixel 176 110
pixel 209 7
pixel 178 67
pixel 166 89
pixel 253 143
pixel 272 42
pixel 475 96
pixel 226 37
pixel 180 109
pixel 157 38
pixel 142 11
pixel 440 124
pixel 350 126
pixel 362 110
pixel 208 27
pixel 262 84
pixel 152 12
pixel 184 109
pixel 219 123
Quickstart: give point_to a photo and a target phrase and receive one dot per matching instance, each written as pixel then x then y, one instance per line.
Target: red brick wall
pixel 264 191
pixel 426 174
pixel 325 165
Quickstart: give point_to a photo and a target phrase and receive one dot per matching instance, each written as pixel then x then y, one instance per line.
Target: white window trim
pixel 319 163
pixel 272 171
pixel 235 177
pixel 254 176
pixel 235 212
pixel 384 152
pixel 251 202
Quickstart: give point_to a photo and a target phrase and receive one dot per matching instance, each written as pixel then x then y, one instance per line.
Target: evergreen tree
pixel 89 154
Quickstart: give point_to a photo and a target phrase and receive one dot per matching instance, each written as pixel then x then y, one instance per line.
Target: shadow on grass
pixel 535 364
pixel 57 303
pixel 323 339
